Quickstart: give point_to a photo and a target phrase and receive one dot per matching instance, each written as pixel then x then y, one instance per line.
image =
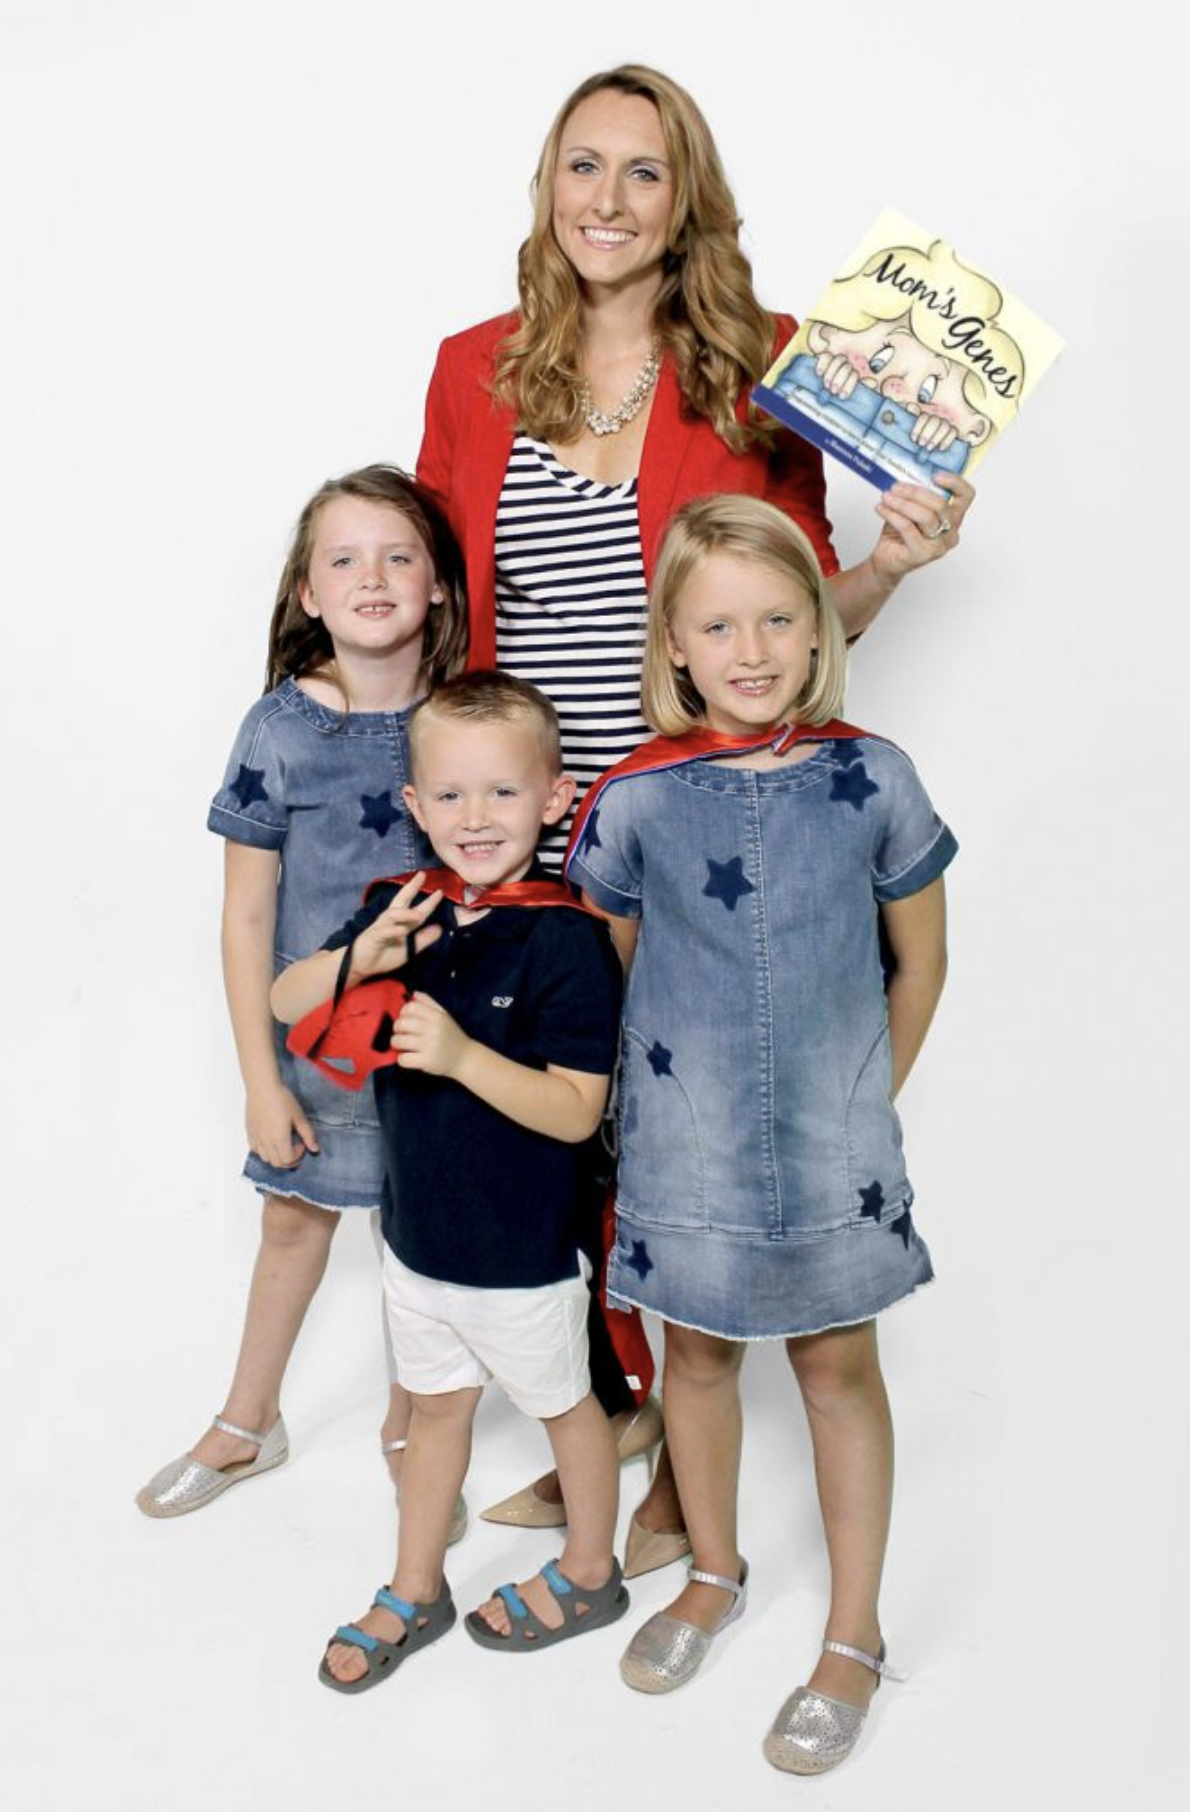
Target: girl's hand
pixel 920 525
pixel 278 1129
pixel 429 1039
pixel 389 941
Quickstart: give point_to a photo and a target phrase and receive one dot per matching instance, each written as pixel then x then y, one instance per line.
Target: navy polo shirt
pixel 472 1197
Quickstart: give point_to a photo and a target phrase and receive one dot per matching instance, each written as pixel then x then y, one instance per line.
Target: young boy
pixel 505 1054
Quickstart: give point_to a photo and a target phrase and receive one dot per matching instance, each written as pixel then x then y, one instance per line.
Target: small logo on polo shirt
pixel 502 1000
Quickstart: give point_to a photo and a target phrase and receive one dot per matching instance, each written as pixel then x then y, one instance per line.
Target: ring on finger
pixel 941 528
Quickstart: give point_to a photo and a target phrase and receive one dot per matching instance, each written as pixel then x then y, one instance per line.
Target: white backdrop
pixel 234 237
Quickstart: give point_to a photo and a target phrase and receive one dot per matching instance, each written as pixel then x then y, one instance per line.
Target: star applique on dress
pixel 847 749
pixel 873 1201
pixel 640 1262
pixel 852 784
pixel 904 1226
pixel 659 1059
pixel 379 812
pixel 727 881
pixel 591 837
pixel 248 786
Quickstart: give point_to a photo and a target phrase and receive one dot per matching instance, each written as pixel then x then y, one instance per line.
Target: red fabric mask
pixel 356 1025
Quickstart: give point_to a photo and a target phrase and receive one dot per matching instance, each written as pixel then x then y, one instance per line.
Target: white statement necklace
pixel 633 403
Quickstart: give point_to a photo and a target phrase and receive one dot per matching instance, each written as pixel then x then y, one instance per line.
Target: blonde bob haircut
pixel 751 530
pixel 706 316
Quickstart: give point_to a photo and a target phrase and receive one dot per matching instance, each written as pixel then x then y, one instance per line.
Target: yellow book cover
pixel 911 364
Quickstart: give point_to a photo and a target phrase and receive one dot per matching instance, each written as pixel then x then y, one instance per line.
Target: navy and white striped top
pixel 571 608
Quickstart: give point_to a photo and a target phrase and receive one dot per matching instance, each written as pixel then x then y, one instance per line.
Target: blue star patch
pixel 847 749
pixel 873 1201
pixel 380 812
pixel 904 1226
pixel 659 1059
pixel 591 838
pixel 640 1262
pixel 248 785
pixel 727 881
pixel 852 784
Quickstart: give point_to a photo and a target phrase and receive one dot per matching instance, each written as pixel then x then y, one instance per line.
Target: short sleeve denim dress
pixel 323 788
pixel 762 1188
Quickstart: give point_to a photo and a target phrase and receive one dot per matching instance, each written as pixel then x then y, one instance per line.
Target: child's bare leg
pixel 295 1242
pixel 435 1466
pixel 704 1427
pixel 589 1469
pixel 843 1390
pixel 658 1509
pixel 588 1466
pixel 395 1426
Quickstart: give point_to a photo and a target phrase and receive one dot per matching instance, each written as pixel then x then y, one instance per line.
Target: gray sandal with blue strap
pixel 424 1623
pixel 604 1604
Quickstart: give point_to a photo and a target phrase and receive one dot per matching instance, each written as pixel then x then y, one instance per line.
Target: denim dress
pixel 762 1188
pixel 323 788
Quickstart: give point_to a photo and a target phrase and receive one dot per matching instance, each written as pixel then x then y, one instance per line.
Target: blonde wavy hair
pixel 706 316
pixel 670 702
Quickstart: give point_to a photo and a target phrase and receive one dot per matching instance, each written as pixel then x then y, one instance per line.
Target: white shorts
pixel 454 1337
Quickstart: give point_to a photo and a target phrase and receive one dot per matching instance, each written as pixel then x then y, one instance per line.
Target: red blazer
pixel 467 440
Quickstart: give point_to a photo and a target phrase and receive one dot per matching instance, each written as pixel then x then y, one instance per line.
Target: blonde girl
pixel 747 861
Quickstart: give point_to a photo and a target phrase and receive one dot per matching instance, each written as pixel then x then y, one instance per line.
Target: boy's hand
pixel 429 1039
pixel 388 941
pixel 278 1130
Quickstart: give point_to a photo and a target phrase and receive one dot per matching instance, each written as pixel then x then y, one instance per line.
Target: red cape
pixel 702 745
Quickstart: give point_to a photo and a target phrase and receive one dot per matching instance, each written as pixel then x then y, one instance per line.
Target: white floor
pixel 173 1664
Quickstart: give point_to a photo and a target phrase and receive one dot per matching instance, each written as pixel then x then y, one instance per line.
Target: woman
pixel 562 437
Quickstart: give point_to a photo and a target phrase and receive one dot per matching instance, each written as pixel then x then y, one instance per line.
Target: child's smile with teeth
pixel 481 792
pixel 370 566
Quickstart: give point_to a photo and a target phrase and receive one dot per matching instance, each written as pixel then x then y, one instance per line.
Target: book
pixel 912 364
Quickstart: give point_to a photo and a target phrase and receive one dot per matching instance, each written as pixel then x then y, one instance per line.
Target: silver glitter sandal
pixel 458 1521
pixel 812 1732
pixel 667 1651
pixel 186 1484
